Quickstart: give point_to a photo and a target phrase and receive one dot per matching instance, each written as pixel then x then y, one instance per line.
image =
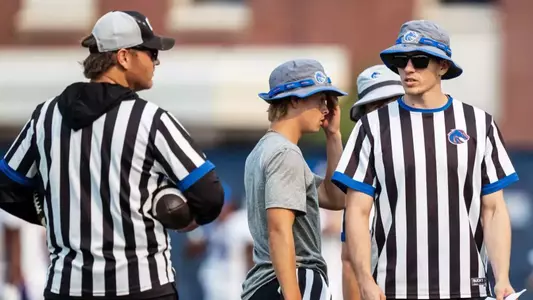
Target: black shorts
pixel 312 284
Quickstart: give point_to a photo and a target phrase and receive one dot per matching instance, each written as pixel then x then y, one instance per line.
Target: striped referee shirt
pixel 428 170
pixel 97 182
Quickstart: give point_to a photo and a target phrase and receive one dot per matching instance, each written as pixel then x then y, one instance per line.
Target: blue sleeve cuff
pixel 344 182
pixel 499 185
pixel 14 175
pixel 195 175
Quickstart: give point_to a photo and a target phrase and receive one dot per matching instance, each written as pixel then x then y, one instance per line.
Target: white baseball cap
pixel 124 29
pixel 374 84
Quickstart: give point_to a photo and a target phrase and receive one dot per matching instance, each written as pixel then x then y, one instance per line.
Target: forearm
pixel 358 240
pixel 497 232
pixel 350 289
pixel 334 152
pixel 283 257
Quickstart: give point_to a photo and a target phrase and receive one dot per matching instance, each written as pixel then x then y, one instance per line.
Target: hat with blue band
pixel 299 78
pixel 426 37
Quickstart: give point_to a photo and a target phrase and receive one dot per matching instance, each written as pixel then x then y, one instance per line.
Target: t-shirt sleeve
pixel 497 169
pixel 285 181
pixel 356 167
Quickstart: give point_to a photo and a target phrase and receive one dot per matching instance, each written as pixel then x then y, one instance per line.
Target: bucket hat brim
pixel 304 92
pixel 386 55
pixel 380 94
pixel 386 92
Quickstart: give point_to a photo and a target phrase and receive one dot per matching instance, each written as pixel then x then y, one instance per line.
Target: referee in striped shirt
pixel 95 154
pixel 436 167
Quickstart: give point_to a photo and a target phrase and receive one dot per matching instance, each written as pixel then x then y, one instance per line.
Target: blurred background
pixel 225 52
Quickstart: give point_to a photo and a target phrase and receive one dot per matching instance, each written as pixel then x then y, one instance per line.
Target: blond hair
pixel 278 109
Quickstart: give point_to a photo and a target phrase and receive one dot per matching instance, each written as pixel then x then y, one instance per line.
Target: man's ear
pixel 294 101
pixel 444 67
pixel 123 59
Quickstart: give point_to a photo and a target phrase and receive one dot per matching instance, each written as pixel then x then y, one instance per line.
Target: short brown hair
pixel 96 64
pixel 278 109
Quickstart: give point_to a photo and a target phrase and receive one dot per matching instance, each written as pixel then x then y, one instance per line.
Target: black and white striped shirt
pixel 428 170
pixel 97 184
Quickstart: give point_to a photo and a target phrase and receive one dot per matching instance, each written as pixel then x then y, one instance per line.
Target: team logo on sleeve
pixel 457 136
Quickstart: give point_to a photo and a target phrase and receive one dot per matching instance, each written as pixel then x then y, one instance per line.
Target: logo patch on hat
pixel 375 75
pixel 410 37
pixel 149 25
pixel 320 77
pixel 458 136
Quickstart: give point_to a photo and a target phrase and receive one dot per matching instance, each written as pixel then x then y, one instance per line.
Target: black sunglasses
pixel 151 52
pixel 419 61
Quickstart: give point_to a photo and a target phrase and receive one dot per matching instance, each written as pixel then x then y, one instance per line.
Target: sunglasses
pixel 419 61
pixel 151 52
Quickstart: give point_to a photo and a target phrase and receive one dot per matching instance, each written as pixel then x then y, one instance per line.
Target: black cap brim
pixel 159 43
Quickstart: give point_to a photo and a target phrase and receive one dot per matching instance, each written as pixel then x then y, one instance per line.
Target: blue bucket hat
pixel 423 36
pixel 299 78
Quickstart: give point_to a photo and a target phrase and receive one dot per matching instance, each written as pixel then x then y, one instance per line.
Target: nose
pixel 409 67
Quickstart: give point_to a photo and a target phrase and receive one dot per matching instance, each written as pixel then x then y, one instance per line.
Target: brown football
pixel 171 209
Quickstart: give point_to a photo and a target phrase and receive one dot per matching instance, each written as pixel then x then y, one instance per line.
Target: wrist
pixel 334 135
pixel 501 278
pixel 365 278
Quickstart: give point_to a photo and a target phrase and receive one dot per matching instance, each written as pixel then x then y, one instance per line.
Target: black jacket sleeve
pixel 205 198
pixel 18 200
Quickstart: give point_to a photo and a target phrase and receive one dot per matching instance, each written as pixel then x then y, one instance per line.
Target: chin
pixel 145 86
pixel 414 91
pixel 149 85
pixel 312 130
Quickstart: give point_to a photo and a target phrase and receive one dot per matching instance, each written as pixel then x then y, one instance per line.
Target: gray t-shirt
pixel 277 176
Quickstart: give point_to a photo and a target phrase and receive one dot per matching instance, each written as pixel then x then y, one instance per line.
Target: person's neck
pixel 431 99
pixel 112 78
pixel 288 128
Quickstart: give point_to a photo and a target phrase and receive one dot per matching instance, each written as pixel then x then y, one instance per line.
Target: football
pixel 171 209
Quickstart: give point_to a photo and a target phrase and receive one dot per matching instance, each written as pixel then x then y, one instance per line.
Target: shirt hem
pixel 435 296
pixel 158 291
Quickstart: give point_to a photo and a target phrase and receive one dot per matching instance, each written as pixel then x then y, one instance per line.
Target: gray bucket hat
pixel 299 78
pixel 423 36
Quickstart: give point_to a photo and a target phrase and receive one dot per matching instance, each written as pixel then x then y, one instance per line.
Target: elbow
pixel 339 204
pixel 279 232
pixel 336 199
pixel 278 238
pixel 206 198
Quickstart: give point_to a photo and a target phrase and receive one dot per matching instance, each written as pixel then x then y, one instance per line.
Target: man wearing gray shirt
pixel 283 196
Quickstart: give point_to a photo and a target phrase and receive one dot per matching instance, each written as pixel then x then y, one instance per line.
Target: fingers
pixel 333 102
pixel 508 292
